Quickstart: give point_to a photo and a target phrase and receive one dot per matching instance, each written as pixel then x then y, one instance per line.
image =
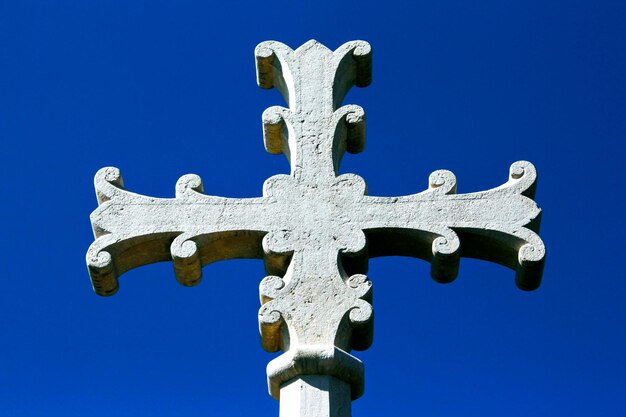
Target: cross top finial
pixel 315 229
pixel 314 81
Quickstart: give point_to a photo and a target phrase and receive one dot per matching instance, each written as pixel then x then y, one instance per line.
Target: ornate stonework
pixel 315 229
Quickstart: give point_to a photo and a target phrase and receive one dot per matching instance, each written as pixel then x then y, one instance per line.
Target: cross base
pixel 315 396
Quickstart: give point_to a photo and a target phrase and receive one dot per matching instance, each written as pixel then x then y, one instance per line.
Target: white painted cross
pixel 315 229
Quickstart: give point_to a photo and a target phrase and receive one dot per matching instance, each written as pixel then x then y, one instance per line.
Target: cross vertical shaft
pixel 313 80
pixel 315 229
pixel 315 395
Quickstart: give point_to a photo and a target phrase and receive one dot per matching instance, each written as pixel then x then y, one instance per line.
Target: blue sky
pixel 161 89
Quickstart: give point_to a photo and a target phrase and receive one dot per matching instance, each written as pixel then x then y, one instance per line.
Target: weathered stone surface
pixel 315 229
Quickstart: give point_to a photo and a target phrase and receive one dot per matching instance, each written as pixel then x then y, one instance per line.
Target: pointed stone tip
pixel 311 44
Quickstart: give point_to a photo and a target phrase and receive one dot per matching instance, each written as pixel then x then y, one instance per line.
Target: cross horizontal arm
pixel 497 225
pixel 192 230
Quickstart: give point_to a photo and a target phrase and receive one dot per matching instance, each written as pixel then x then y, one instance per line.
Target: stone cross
pixel 315 229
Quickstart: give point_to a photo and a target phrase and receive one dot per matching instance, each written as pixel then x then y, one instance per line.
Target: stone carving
pixel 315 229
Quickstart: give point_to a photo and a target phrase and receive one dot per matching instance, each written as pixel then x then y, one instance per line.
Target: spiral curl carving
pixel 108 183
pixel 522 178
pixel 274 126
pixel 102 271
pixel 361 314
pixel 349 121
pixel 186 259
pixel 270 322
pixel 189 184
pixel 270 288
pixel 361 286
pixel 442 181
